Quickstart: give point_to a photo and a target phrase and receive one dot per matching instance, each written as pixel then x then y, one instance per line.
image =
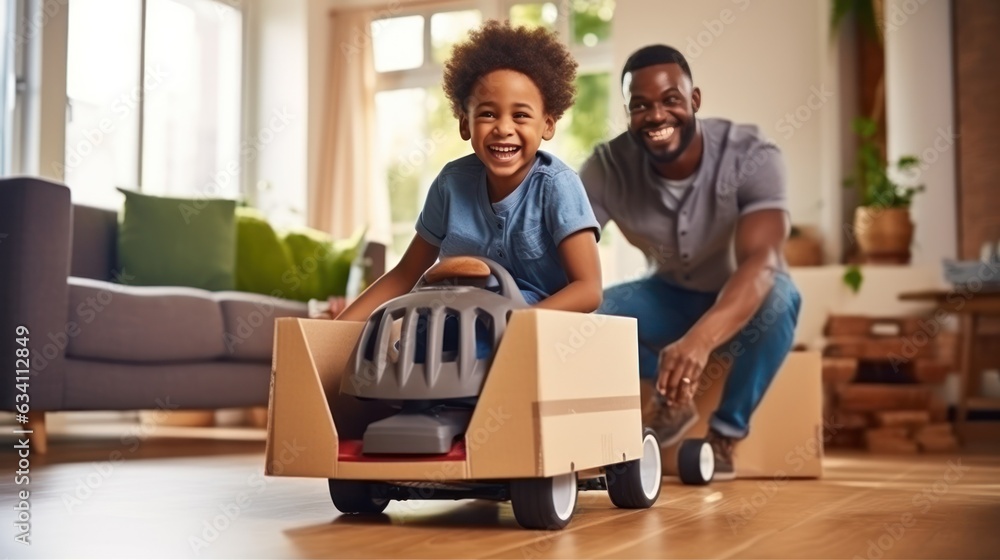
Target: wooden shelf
pixel 983 403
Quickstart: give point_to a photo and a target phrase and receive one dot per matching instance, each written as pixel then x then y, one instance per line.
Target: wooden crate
pixel 936 438
pixel 891 445
pixel 874 397
pixel 930 371
pixel 845 420
pixel 878 373
pixel 864 326
pixel 887 348
pixel 839 370
pixel 847 438
pixel 904 418
pixel 938 410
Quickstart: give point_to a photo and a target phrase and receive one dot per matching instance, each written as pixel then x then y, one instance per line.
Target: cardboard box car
pixel 562 395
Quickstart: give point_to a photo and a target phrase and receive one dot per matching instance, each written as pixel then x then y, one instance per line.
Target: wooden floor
pixel 113 496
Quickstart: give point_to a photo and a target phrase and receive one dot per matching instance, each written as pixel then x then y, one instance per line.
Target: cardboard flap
pixel 309 358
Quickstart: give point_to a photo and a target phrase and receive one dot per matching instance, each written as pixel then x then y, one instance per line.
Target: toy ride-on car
pixel 458 390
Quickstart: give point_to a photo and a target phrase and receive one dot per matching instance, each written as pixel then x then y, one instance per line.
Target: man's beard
pixel 688 131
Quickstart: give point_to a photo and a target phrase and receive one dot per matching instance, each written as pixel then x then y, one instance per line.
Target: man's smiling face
pixel 661 102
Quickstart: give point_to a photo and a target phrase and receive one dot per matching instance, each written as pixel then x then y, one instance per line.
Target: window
pixel 155 104
pixel 8 85
pixel 417 133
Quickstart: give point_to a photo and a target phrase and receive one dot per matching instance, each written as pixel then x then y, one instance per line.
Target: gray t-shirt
pixel 688 241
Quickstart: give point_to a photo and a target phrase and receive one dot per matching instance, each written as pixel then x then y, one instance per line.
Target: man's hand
pixel 681 365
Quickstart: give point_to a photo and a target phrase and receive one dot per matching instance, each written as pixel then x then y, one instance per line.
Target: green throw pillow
pixel 261 257
pixel 178 242
pixel 321 265
pixel 302 264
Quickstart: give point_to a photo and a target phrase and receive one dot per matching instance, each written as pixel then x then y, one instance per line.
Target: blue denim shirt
pixel 522 232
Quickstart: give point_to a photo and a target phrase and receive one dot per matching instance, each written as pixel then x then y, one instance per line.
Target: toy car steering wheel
pixel 475 271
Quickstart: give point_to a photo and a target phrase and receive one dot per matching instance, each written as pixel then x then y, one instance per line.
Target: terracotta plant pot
pixel 884 234
pixel 804 249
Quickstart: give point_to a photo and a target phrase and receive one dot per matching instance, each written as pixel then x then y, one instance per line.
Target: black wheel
pixel 696 462
pixel 354 496
pixel 544 503
pixel 635 484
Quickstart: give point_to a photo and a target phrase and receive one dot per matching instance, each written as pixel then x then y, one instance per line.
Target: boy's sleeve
pixel 567 209
pixel 761 180
pixel 432 223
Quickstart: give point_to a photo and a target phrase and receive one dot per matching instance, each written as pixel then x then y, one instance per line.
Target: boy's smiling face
pixel 505 120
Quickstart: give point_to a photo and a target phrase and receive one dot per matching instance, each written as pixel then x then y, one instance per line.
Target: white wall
pixel 920 117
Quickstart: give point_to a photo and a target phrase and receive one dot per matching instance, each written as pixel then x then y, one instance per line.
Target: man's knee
pixel 616 300
pixel 781 303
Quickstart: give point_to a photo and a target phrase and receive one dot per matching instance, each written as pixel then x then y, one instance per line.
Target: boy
pixel 508 201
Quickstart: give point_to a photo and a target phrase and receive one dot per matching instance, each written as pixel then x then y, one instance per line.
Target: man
pixel 704 199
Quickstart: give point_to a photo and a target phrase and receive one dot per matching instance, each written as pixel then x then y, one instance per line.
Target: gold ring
pixel 685 380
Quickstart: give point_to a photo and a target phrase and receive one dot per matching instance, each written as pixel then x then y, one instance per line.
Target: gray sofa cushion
pixel 142 324
pixel 249 322
pixel 109 385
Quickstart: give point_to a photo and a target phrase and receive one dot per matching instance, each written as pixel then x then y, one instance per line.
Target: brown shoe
pixel 670 422
pixel 722 448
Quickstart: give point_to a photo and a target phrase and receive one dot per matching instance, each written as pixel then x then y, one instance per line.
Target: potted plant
pixel 882 226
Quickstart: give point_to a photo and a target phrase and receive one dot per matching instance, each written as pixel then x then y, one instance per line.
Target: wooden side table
pixel 979 316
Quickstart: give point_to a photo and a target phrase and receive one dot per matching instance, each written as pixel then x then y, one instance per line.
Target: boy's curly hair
pixel 536 53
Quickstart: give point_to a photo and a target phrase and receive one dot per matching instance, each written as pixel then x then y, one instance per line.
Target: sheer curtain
pixel 349 194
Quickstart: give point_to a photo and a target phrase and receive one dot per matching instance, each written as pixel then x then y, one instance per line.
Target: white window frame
pixel 23 131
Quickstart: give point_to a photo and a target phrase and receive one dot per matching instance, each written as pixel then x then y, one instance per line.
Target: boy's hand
pixel 681 365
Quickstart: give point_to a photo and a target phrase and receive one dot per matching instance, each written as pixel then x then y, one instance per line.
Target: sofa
pixel 96 344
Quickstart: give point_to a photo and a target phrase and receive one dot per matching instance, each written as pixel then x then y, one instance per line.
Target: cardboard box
pixel 562 395
pixel 786 431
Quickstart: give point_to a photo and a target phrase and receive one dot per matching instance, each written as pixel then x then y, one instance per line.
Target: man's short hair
pixel 653 55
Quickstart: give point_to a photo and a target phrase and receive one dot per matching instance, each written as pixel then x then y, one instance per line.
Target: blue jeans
pixel 665 313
